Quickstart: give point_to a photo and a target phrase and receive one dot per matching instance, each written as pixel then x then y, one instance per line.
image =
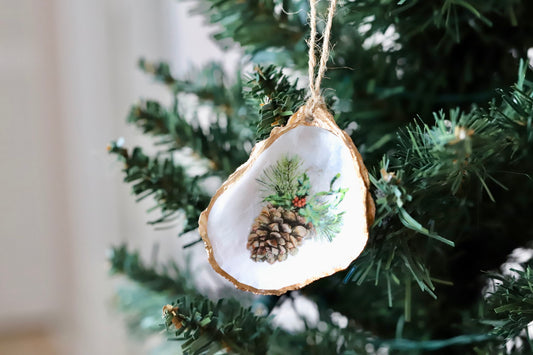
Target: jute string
pixel 315 81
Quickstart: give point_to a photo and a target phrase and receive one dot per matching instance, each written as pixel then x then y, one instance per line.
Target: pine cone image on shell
pixel 276 233
pixel 291 214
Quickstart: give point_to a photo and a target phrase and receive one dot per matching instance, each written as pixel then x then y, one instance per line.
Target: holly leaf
pixel 284 200
pixel 304 185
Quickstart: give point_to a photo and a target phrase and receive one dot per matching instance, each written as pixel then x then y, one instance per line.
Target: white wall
pixel 67 78
pixel 33 224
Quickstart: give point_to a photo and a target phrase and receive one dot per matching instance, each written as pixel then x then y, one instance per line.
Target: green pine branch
pixel 167 182
pixel 151 285
pixel 256 25
pixel 450 163
pixel 395 254
pixel 168 278
pixel 222 142
pixel 209 83
pixel 281 180
pixel 202 326
pixel 160 71
pixel 510 304
pixel 448 16
pixel 207 328
pixel 328 339
pixel 272 93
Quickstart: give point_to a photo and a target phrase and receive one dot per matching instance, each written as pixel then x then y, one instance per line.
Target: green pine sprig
pixel 510 304
pixel 274 95
pixel 174 191
pixel 205 327
pixel 320 210
pixel 304 185
pixel 282 181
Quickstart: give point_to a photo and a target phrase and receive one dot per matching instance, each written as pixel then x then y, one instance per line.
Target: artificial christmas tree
pixel 429 93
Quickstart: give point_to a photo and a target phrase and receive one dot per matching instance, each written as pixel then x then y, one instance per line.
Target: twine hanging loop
pixel 316 80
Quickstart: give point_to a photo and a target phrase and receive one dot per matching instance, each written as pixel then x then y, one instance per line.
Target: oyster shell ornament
pixel 298 210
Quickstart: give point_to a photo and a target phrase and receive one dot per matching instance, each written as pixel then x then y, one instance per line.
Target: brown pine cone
pixel 277 232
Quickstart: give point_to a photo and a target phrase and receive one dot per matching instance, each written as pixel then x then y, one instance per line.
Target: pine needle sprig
pixel 272 93
pixel 173 190
pixel 235 19
pixel 464 146
pixel 159 70
pixel 510 305
pixel 453 151
pixel 515 113
pixel 169 278
pixel 442 160
pixel 223 141
pixel 393 200
pixel 280 181
pixel 321 211
pixel 208 83
pixel 393 255
pixel 205 327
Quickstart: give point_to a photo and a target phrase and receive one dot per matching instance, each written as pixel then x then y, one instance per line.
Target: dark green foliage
pixel 329 339
pixel 272 94
pixel 272 27
pixel 452 187
pixel 304 185
pixel 510 305
pixel 441 171
pixel 207 327
pixel 438 59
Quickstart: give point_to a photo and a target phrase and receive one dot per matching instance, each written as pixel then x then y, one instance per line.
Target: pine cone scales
pixel 277 232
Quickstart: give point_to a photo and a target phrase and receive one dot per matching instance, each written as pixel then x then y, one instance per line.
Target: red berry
pixel 299 202
pixel 295 201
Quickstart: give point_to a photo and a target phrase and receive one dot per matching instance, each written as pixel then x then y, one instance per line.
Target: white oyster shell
pixel 232 213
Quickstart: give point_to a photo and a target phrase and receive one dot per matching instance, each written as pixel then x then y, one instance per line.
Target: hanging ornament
pixel 299 209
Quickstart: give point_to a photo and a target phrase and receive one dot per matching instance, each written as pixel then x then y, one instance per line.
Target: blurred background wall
pixel 67 78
